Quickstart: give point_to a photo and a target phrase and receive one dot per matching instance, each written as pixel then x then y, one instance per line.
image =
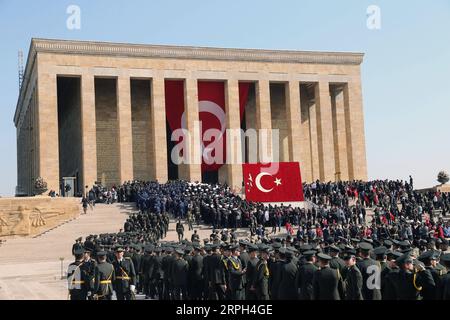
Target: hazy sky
pixel 405 74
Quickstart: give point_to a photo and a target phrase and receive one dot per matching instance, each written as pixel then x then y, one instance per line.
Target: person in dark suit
pixel 288 275
pixel 179 275
pixel 104 277
pixel 429 259
pixel 305 275
pixel 124 283
pixel 236 275
pixel 353 281
pixel 369 268
pixel 327 282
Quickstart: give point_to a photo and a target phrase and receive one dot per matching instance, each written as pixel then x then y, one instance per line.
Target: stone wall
pixel 141 127
pixel 34 215
pixel 107 132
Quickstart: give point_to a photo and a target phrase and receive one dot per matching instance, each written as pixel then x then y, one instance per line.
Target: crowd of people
pixel 332 250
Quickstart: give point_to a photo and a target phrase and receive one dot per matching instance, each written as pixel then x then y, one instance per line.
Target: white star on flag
pixel 277 181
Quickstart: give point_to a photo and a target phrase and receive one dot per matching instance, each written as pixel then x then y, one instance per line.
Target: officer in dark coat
pixel 288 274
pixel 196 274
pixel 275 270
pixel 88 269
pixel 166 266
pixel 429 259
pixel 412 278
pixel 76 278
pixel 353 281
pixel 77 245
pixel 236 275
pixel 369 268
pixel 336 262
pixel 157 274
pixel 250 290
pixel 444 290
pixel 390 276
pixel 262 274
pixel 245 258
pixel 305 275
pixel 146 272
pixel 136 257
pixel 327 282
pixel 104 277
pixel 124 283
pixel 179 275
pixel 217 275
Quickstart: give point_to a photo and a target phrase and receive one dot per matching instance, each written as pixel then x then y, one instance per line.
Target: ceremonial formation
pixel 330 251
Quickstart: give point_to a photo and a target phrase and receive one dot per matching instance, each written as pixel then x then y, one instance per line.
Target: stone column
pixel 339 132
pixel 325 132
pixel 234 156
pixel 48 129
pixel 314 143
pixel 125 130
pixel 158 129
pixel 88 132
pixel 192 171
pixel 354 121
pixel 293 117
pixel 264 119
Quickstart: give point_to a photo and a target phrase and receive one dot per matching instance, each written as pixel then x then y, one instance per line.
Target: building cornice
pixel 179 52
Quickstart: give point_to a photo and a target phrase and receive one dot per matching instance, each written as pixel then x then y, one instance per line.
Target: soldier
pixel 146 273
pixel 353 281
pixel 327 282
pixel 369 268
pixel 180 230
pixel 244 257
pixel 166 265
pixel 288 274
pixel 275 269
pixel 196 274
pixel 136 257
pixel 262 275
pixel 195 237
pixel 336 262
pixel 88 269
pixel 305 275
pixel 236 275
pixel 250 290
pixel 76 278
pixel 217 275
pixel 77 245
pixel 157 274
pixel 179 274
pixel 429 259
pixel 444 290
pixel 390 276
pixel 104 276
pixel 412 278
pixel 124 283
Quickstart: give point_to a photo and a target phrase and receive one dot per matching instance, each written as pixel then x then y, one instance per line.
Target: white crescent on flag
pixel 258 182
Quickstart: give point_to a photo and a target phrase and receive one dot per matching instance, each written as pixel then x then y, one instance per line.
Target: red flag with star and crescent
pixel 273 182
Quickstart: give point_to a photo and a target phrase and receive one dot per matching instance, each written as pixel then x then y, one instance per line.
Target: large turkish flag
pixel 274 182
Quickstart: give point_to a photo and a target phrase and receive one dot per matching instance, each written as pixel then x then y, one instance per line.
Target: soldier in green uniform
pixel 76 278
pixel 336 262
pixel 179 275
pixel 353 281
pixel 371 272
pixel 157 273
pixel 146 272
pixel 250 290
pixel 244 257
pixel 390 276
pixel 124 283
pixel 412 278
pixel 236 275
pixel 429 259
pixel 287 289
pixel 88 269
pixel 444 290
pixel 305 275
pixel 217 275
pixel 196 274
pixel 166 265
pixel 104 277
pixel 327 282
pixel 262 274
pixel 274 268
